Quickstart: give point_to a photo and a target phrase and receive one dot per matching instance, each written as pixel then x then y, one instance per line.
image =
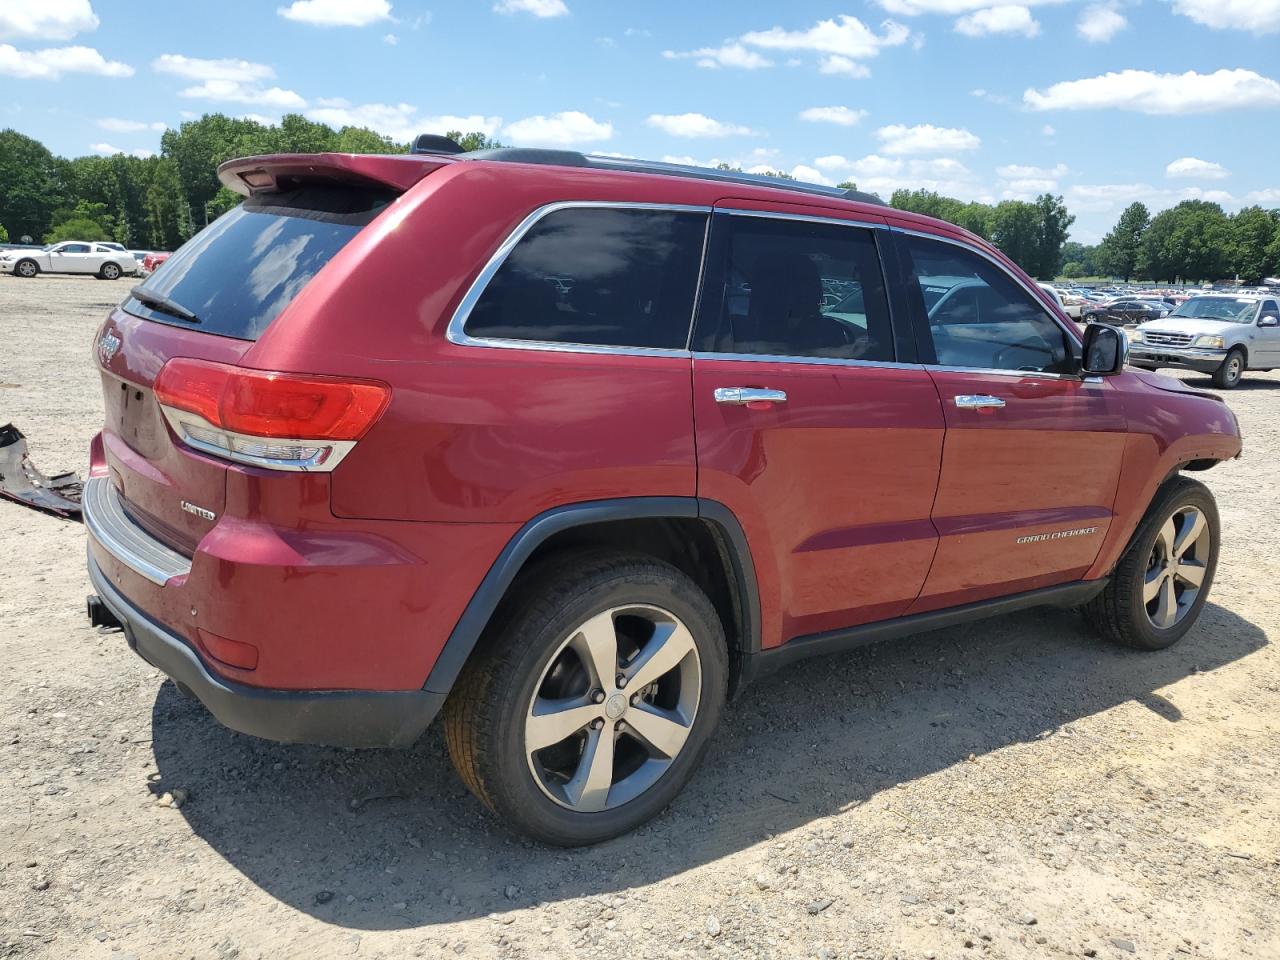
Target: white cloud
pixel 843 36
pixel 337 13
pixel 45 19
pixel 1014 171
pixel 841 116
pixel 129 126
pixel 107 150
pixel 1258 16
pixel 1191 167
pixel 1047 130
pixel 390 39
pixel 1007 18
pixel 729 55
pixel 1098 23
pixel 925 138
pixel 914 8
pixel 1027 189
pixel 193 68
pixel 1269 197
pixel 1159 93
pixel 883 175
pixel 695 125
pixel 559 129
pixel 52 62
pixel 232 91
pixel 836 64
pixel 539 8
pixel 809 175
pixel 401 121
pixel 1110 197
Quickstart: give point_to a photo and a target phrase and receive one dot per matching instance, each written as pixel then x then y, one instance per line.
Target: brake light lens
pixel 279 420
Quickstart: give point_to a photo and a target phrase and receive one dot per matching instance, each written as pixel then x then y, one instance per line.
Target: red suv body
pixel 351 418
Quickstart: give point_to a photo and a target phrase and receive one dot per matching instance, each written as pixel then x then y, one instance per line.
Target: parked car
pixel 71 257
pixel 1126 312
pixel 578 479
pixel 1216 334
pixel 153 260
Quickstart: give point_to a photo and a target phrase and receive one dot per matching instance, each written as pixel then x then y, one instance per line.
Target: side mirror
pixel 1269 321
pixel 1105 350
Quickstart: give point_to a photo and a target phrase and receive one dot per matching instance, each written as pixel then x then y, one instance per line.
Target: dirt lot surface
pixel 1007 789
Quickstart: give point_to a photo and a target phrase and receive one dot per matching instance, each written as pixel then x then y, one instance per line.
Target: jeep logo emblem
pixel 108 345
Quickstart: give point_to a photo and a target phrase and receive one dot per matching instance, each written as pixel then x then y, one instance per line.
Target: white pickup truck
pixel 71 256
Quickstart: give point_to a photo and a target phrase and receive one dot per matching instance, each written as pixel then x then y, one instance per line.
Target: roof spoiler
pixel 250 175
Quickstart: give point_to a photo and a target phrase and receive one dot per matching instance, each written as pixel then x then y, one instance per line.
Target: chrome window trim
pixel 802 217
pixel 115 530
pixel 1073 335
pixel 803 361
pixel 456 332
pixel 1020 374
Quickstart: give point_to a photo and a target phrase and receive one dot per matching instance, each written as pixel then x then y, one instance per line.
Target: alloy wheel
pixel 1234 368
pixel 1176 568
pixel 614 708
pixel 27 270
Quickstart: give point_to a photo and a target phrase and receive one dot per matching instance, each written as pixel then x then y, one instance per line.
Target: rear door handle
pixel 978 401
pixel 743 396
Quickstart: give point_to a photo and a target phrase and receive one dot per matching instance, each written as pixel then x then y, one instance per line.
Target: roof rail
pixel 572 158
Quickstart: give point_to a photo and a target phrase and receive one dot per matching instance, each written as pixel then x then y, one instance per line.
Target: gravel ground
pixel 1007 789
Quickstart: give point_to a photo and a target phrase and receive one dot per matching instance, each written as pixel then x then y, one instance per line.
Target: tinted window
pixel 984 318
pixel 73 248
pixel 239 272
pixel 597 275
pixel 796 289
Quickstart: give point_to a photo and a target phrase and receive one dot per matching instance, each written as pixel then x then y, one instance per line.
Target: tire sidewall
pixel 1150 636
pixel 21 263
pixel 520 797
pixel 1225 380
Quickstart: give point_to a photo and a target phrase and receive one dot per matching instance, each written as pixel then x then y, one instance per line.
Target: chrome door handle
pixel 744 395
pixel 978 401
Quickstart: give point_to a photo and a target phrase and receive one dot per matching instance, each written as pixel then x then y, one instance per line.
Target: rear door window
pixel 236 275
pixel 599 276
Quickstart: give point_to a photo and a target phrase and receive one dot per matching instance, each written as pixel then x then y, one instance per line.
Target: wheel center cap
pixel 615 706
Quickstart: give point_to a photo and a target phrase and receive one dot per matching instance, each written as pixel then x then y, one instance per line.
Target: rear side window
pixel 979 317
pixel 236 275
pixel 599 276
pixel 794 288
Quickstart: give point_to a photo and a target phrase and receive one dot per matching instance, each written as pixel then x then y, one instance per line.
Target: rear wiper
pixel 166 304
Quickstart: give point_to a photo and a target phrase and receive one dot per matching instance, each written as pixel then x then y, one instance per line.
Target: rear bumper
pixel 347 718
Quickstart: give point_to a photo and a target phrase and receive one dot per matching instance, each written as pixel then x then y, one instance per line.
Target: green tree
pixel 4 234
pixel 1189 242
pixel 1074 268
pixel 1055 221
pixel 1015 229
pixel 1252 232
pixel 473 141
pixel 1118 253
pixel 31 185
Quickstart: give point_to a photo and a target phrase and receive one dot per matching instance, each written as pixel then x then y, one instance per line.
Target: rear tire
pixel 1161 583
pixel 538 660
pixel 26 269
pixel 109 271
pixel 1229 373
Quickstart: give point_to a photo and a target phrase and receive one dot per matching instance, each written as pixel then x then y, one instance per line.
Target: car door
pixel 1032 455
pixel 814 424
pixel 1267 345
pixel 70 258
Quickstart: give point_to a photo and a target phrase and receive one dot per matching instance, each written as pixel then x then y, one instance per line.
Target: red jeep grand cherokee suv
pixel 571 448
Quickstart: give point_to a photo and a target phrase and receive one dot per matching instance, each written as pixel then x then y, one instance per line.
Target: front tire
pixel 1162 581
pixel 592 699
pixel 26 269
pixel 1229 373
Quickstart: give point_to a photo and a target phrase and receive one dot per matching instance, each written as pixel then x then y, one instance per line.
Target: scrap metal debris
pixel 21 481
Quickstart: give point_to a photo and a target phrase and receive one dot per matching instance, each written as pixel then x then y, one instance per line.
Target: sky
pixel 1103 102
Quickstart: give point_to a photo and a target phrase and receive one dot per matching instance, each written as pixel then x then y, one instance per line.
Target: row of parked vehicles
pixel 102 259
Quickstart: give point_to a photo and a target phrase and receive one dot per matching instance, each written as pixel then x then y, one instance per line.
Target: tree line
pixel 158 202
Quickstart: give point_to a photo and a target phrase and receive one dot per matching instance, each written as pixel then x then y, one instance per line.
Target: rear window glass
pixel 599 276
pixel 236 275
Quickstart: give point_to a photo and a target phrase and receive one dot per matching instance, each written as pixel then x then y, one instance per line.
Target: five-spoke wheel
pixel 1176 568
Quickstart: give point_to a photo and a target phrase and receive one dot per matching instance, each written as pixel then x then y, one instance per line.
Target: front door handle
pixel 978 401
pixel 746 396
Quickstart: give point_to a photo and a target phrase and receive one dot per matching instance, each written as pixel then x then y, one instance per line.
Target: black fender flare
pixel 470 626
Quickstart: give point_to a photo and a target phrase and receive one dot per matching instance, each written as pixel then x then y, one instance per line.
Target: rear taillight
pixel 283 421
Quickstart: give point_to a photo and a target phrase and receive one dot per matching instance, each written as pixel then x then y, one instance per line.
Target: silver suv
pixel 1218 334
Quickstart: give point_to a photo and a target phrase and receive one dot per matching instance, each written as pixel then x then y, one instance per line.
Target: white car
pixel 71 256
